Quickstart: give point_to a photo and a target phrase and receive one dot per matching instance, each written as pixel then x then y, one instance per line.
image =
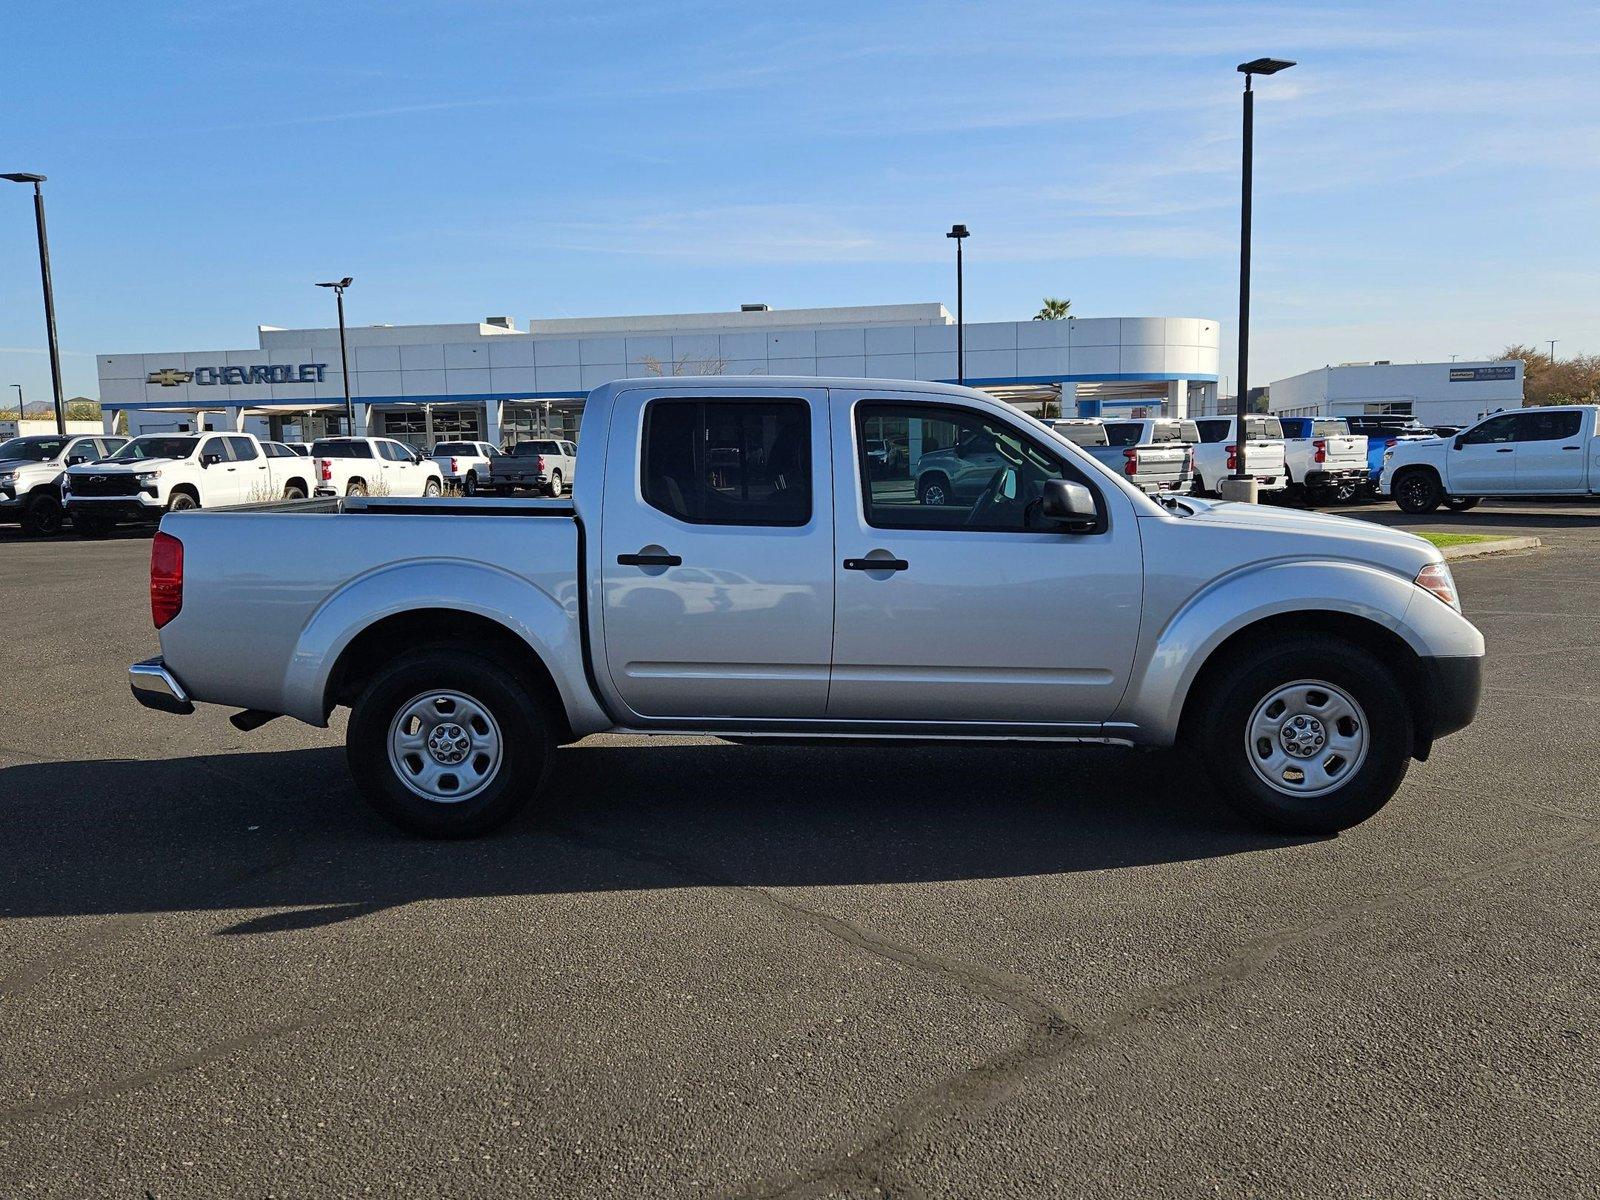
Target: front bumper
pixel 156 687
pixel 143 507
pixel 1455 686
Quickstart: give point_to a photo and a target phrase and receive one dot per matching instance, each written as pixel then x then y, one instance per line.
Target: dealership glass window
pixel 962 470
pixel 728 462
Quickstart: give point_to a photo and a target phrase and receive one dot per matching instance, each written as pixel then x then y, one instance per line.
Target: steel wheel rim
pixel 1307 738
pixel 445 747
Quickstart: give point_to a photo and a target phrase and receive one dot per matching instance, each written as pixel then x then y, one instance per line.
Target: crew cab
pixel 1156 453
pixel 1323 459
pixel 158 473
pixel 1550 451
pixel 731 563
pixel 467 465
pixel 360 466
pixel 1216 456
pixel 31 468
pixel 542 465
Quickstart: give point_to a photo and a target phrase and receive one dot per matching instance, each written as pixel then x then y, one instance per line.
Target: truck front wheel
pixel 43 517
pixel 446 743
pixel 1310 734
pixel 1417 491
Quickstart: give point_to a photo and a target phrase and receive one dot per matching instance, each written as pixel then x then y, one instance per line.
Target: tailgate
pixel 1162 466
pixel 1264 458
pixel 1346 453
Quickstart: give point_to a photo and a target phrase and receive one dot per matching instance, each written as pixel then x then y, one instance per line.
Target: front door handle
pixel 649 560
pixel 1504 450
pixel 1572 447
pixel 876 564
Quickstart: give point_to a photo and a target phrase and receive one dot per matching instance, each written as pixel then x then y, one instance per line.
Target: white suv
pixel 362 466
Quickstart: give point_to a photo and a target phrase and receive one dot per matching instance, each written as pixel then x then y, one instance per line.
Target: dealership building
pixel 491 381
pixel 1447 393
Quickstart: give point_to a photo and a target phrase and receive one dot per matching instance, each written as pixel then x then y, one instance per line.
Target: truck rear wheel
pixel 445 743
pixel 1417 491
pixel 1310 734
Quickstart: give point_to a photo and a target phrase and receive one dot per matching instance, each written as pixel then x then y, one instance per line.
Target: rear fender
pixel 1154 703
pixel 548 625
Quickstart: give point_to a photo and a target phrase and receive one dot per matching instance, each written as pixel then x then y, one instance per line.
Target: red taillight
pixel 325 468
pixel 1130 461
pixel 1321 455
pixel 454 469
pixel 1390 442
pixel 166 578
pixel 1233 458
pixel 539 466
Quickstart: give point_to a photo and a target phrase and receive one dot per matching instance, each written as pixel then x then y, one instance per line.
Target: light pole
pixel 49 294
pixel 1258 66
pixel 22 409
pixel 959 232
pixel 338 287
pixel 1552 352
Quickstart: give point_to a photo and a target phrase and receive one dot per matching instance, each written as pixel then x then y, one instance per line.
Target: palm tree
pixel 1053 309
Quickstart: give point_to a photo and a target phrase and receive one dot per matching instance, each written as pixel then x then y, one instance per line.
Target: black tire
pixel 1417 491
pixel 1217 732
pixel 44 516
pixel 935 484
pixel 1197 487
pixel 555 484
pixel 1463 503
pixel 513 702
pixel 433 487
pixel 91 524
pixel 1346 493
pixel 469 485
pixel 356 487
pixel 181 502
pixel 293 491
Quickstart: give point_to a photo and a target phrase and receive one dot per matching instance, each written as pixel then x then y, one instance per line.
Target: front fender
pixel 549 626
pixel 1168 668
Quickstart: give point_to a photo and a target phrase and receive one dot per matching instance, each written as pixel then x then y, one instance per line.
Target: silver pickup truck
pixel 734 563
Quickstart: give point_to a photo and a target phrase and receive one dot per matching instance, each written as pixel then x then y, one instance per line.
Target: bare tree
pixel 685 366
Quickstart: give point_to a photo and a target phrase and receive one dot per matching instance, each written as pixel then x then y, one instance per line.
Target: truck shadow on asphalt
pixel 286 830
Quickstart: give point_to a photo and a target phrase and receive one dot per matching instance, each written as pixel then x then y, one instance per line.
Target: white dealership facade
pixel 491 381
pixel 1439 393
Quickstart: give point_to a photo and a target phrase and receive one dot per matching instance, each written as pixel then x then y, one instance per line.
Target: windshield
pixel 155 447
pixel 32 449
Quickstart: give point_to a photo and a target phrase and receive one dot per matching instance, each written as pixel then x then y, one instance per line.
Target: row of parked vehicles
pixel 98 481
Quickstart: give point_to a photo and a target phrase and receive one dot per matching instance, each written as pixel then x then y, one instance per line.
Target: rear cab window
pixel 341 448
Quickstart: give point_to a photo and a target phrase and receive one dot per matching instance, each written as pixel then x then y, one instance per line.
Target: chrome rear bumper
pixel 156 687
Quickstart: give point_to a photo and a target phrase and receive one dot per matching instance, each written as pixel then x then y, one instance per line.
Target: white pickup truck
pixel 1552 451
pixel 170 472
pixel 1151 454
pixel 360 466
pixel 31 470
pixel 733 562
pixel 466 465
pixel 1215 456
pixel 1324 460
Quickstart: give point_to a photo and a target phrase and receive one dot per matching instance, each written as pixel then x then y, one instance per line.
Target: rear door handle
pixel 1572 447
pixel 649 560
pixel 1505 450
pixel 876 564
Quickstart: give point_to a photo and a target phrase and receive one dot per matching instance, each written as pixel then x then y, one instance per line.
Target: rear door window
pixel 242 449
pixel 728 462
pixel 1546 426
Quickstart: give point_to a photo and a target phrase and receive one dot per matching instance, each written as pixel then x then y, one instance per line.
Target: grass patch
pixel 1442 540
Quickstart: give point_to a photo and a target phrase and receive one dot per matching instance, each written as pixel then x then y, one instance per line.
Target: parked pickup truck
pixel 1214 457
pixel 361 466
pixel 1324 460
pixel 731 564
pixel 544 465
pixel 465 464
pixel 1552 451
pixel 170 472
pixel 1163 465
pixel 31 468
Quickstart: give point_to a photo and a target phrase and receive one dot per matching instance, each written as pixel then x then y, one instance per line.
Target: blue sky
pixel 1428 179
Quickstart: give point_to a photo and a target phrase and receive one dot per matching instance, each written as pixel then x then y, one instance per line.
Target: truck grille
pixel 119 484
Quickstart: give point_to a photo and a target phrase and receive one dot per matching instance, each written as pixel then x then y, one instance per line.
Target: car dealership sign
pixel 240 376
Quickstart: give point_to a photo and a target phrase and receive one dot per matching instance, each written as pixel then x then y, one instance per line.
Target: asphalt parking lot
pixel 708 969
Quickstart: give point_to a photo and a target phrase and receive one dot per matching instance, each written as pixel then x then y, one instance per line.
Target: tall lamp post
pixel 959 232
pixel 22 407
pixel 1258 66
pixel 49 293
pixel 338 287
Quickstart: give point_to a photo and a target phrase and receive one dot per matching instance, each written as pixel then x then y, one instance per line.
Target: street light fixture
pixel 49 294
pixel 1257 66
pixel 338 287
pixel 959 232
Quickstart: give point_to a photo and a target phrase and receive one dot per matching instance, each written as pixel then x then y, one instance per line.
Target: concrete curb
pixel 1485 549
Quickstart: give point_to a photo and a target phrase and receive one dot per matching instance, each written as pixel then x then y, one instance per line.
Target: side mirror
pixel 1070 503
pixel 1461 440
pixel 210 460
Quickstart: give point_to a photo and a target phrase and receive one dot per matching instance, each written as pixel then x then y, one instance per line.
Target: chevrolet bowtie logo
pixel 169 377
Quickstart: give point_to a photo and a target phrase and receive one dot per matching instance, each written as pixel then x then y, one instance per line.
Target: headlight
pixel 148 476
pixel 1436 578
pixel 8 479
